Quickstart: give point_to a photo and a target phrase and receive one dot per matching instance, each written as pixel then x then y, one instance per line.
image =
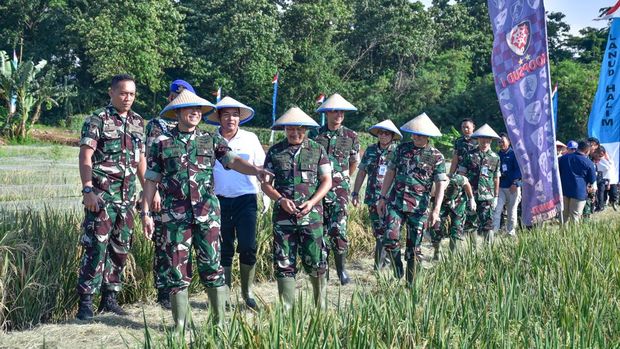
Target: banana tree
pixel 33 90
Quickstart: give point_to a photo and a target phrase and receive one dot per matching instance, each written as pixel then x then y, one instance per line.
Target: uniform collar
pixel 112 111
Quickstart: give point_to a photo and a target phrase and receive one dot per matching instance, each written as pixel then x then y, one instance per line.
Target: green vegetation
pixel 392 59
pixel 546 290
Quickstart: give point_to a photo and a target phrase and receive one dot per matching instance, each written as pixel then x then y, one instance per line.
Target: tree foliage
pixel 392 58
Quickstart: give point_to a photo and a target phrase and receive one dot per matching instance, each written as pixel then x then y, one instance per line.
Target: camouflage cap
pixel 246 112
pixel 186 99
pixel 335 102
pixel 386 125
pixel 421 125
pixel 485 131
pixel 294 117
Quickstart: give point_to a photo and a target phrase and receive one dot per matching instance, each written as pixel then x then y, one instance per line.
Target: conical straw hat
pixel 485 131
pixel 294 117
pixel 386 125
pixel 246 112
pixel 559 144
pixel 421 125
pixel 186 99
pixel 336 102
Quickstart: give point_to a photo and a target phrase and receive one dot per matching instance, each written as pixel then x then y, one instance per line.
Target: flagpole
pixel 274 104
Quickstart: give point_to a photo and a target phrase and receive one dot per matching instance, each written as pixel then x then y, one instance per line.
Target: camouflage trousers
pixel 307 240
pixel 590 205
pixel 106 239
pixel 416 224
pixel 205 238
pixel 450 223
pixel 484 211
pixel 471 222
pixel 377 222
pixel 335 220
pixel 161 262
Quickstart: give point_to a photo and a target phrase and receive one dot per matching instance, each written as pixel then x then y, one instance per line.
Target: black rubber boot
pixel 397 263
pixel 411 271
pixel 163 298
pixel 85 309
pixel 339 260
pixel 109 304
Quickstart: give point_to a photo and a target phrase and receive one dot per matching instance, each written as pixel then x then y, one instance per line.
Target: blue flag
pixel 523 85
pixel 604 122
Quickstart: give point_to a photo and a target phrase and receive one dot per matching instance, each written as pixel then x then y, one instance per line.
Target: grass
pixel 542 291
pixel 554 287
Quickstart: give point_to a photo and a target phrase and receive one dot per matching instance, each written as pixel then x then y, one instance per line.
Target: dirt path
pixel 109 331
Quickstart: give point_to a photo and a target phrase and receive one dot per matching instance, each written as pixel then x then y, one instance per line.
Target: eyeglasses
pixel 384 133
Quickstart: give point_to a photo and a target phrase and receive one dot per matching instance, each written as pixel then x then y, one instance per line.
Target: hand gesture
pixel 148 226
pixel 91 202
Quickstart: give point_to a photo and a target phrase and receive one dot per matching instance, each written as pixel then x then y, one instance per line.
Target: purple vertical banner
pixel 523 86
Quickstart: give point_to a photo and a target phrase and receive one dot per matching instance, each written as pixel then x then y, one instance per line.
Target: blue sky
pixel 579 13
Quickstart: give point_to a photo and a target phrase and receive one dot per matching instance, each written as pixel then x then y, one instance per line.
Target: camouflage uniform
pixel 297 169
pixel 409 198
pixel 182 164
pixel 161 265
pixel 118 143
pixel 342 146
pixel 453 210
pixel 482 168
pixel 462 146
pixel 374 163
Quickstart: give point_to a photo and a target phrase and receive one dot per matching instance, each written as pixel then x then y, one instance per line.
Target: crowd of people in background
pixel 589 178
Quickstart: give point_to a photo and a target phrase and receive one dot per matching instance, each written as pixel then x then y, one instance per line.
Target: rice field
pixel 552 288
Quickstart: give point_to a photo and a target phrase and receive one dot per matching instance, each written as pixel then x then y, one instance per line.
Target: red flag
pixel 275 78
pixel 320 99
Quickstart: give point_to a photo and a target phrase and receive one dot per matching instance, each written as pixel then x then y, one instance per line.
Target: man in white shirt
pixel 237 194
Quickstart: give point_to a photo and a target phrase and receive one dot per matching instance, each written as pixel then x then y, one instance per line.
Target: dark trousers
pixel 238 222
pixel 601 198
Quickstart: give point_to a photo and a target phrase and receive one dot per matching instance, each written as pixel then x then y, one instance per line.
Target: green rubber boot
pixel 319 291
pixel 248 273
pixel 180 309
pixel 217 300
pixel 410 272
pixel 286 290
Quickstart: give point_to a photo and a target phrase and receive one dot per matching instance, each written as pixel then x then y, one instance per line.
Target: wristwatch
pixel 354 194
pixel 145 214
pixel 87 190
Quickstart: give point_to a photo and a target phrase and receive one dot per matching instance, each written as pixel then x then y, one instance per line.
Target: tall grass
pixel 39 260
pixel 553 289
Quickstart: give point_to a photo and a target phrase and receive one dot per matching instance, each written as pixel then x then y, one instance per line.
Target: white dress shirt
pixel 230 183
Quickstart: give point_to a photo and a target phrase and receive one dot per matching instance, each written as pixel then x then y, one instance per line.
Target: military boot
pixel 339 260
pixel 286 290
pixel 85 309
pixel 110 304
pixel 217 300
pixel 397 263
pixel 163 298
pixel 380 255
pixel 248 273
pixel 411 270
pixel 319 291
pixel 180 310
pixel 437 252
pixel 228 281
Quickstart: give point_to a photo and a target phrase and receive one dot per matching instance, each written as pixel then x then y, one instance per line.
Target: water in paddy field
pixel 35 177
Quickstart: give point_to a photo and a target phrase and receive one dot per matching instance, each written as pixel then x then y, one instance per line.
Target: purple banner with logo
pixel 523 85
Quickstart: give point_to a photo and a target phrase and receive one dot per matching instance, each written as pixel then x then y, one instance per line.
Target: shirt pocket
pixel 205 158
pixel 308 172
pixel 343 147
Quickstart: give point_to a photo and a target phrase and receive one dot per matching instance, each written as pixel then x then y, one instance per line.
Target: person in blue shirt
pixel 509 187
pixel 578 175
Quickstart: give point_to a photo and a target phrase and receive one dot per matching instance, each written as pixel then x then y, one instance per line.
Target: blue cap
pixel 571 145
pixel 176 85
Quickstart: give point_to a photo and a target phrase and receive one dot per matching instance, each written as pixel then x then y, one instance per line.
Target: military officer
pixel 462 146
pixel 482 168
pixel 182 164
pixel 374 164
pixel 161 265
pixel 406 192
pixel 342 146
pixel 302 179
pixel 452 214
pixel 111 155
